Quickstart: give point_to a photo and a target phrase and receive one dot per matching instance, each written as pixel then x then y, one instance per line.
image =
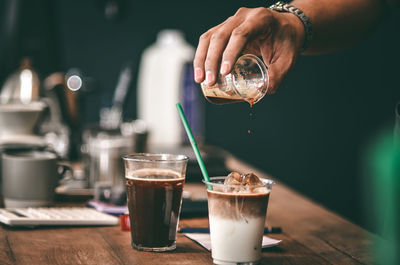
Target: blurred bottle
pixel 382 193
pixel 397 126
pixel 162 82
pixel 192 103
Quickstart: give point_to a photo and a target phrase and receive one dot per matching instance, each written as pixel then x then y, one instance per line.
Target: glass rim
pixel 266 182
pixel 155 157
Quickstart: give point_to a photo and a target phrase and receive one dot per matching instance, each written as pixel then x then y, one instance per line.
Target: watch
pixel 284 7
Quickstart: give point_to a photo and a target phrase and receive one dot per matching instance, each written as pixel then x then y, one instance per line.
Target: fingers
pixel 246 36
pixel 200 57
pixel 216 46
pixel 218 42
pixel 219 47
pixel 258 31
pixel 233 33
pixel 237 42
pixel 202 51
pixel 211 47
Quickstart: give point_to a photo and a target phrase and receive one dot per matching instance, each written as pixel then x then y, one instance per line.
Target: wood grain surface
pixel 311 234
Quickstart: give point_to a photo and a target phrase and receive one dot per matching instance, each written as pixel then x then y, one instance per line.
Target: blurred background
pixel 311 135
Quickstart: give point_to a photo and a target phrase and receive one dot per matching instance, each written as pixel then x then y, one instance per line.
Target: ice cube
pixel 234 178
pixel 240 183
pixel 251 180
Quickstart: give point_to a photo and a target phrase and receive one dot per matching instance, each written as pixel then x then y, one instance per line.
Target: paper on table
pixel 205 240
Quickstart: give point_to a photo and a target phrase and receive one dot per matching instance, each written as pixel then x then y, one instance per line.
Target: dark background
pixel 311 135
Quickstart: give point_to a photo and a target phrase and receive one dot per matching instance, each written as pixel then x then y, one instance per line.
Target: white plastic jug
pixel 159 86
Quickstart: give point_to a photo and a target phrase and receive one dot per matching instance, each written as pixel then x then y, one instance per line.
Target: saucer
pixel 21 141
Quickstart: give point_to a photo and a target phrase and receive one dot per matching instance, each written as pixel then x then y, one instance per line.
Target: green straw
pixel 193 142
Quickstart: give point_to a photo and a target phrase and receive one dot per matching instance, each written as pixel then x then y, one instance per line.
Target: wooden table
pixel 311 235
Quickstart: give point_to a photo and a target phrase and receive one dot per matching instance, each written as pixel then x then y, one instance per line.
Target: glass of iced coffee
pixel 237 207
pixel 154 186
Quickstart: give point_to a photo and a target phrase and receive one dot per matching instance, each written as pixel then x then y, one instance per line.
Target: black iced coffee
pixel 154 196
pixel 154 187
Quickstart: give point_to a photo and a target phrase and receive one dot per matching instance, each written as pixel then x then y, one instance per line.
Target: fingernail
pixel 209 77
pixel 224 68
pixel 198 74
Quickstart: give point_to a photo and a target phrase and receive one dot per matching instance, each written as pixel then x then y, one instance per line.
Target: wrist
pixel 282 7
pixel 291 21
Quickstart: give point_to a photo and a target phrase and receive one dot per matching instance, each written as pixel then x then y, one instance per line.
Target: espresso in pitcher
pixel 154 195
pixel 222 100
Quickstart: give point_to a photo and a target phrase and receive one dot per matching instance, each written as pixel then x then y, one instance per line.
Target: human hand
pixel 277 37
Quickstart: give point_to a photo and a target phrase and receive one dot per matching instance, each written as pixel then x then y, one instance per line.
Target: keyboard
pixel 66 216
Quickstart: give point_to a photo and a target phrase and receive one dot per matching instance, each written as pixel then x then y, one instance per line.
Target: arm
pixel 341 23
pixel 278 37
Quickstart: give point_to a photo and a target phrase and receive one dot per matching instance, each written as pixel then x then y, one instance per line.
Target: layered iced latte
pixel 237 208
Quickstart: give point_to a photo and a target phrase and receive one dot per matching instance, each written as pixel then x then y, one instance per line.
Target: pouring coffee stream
pixel 248 82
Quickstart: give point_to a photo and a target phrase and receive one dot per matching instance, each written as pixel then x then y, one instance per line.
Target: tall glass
pixel 154 186
pixel 237 220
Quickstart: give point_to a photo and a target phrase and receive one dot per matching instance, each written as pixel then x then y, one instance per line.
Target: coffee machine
pixel 30 116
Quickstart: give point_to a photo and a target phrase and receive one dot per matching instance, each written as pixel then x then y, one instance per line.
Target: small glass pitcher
pixel 248 81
